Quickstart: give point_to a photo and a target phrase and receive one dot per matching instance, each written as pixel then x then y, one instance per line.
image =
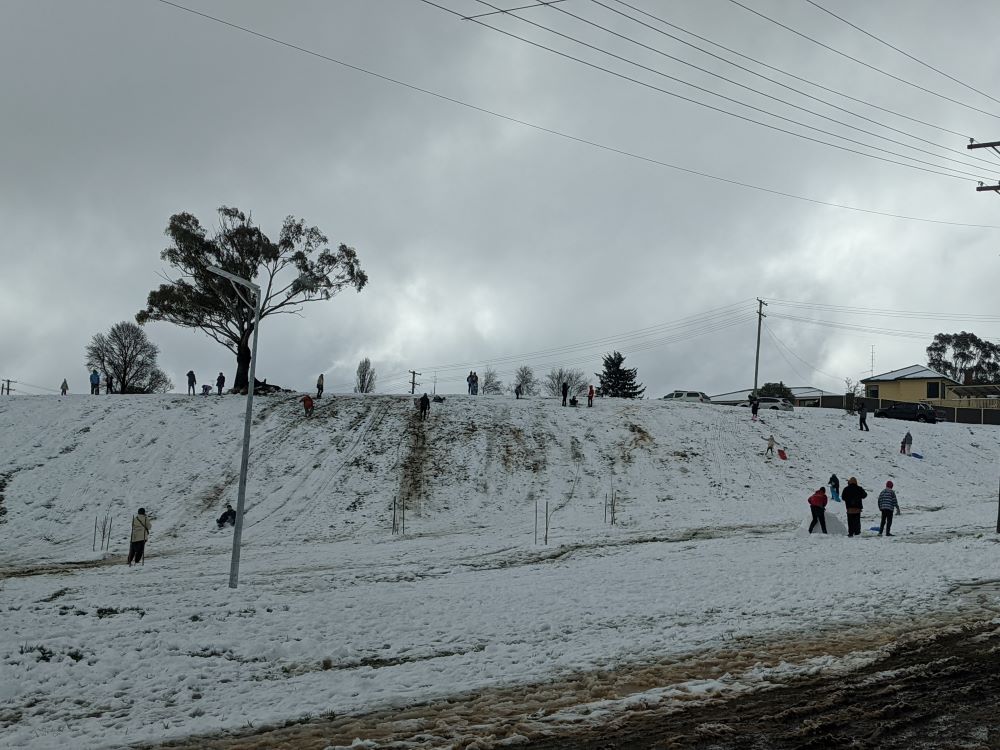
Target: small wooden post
pixel 94 545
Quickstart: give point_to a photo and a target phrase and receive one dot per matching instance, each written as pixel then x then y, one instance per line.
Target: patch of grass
pixel 195 618
pixel 44 654
pixel 54 595
pixel 103 612
pixel 75 654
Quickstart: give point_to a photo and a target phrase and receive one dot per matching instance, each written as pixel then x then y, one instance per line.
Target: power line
pixel 902 52
pixel 812 367
pixel 871 311
pixel 787 103
pixel 706 105
pixel 793 76
pixel 573 138
pixel 776 82
pixel 862 62
pixel 894 332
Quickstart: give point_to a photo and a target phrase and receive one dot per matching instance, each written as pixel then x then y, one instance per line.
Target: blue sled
pixel 873 528
pixel 916 455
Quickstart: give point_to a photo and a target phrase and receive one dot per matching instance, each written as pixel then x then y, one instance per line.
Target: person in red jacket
pixel 307 404
pixel 817 504
pixel 590 396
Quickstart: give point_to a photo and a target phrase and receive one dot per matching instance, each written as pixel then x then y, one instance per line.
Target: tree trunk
pixel 243 354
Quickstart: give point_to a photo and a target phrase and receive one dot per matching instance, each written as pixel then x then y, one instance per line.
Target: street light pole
pixel 234 565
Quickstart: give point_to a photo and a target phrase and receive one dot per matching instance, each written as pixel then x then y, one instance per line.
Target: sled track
pixel 375 417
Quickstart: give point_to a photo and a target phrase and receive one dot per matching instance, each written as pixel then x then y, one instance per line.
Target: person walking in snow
pixel 769 451
pixel 140 535
pixel 192 381
pixel 469 381
pixel 863 416
pixel 834 483
pixel 64 388
pixel 425 406
pixel 228 516
pixel 907 443
pixel 95 383
pixel 565 392
pixel 817 504
pixel 319 386
pixel 852 496
pixel 754 408
pixel 887 502
pixel 590 395
pixel 220 382
pixel 307 404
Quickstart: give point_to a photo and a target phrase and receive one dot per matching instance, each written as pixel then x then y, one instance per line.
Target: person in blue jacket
pixel 95 383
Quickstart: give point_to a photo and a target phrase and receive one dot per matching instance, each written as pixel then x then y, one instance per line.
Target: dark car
pixel 911 412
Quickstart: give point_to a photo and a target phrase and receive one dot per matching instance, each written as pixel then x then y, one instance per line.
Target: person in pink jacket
pixel 817 504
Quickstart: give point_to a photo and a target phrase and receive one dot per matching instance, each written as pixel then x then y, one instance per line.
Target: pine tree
pixel 619 381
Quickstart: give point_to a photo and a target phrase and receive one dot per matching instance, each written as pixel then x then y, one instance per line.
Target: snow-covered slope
pixel 337 613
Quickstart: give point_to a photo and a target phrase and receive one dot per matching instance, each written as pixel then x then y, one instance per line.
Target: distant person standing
pixel 319 386
pixel 517 391
pixel 307 404
pixel 852 496
pixel 590 395
pixel 469 381
pixel 192 382
pixel 834 483
pixel 817 504
pixel 425 406
pixel 109 382
pixel 95 383
pixel 140 535
pixel 565 392
pixel 887 503
pixel 64 388
pixel 475 383
pixel 754 408
pixel 863 416
pixel 220 382
pixel 907 443
pixel 769 451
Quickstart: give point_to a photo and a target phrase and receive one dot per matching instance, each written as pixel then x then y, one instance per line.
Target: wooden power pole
pixel 413 381
pixel 995 145
pixel 761 304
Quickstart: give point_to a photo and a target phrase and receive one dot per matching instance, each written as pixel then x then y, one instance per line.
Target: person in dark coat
pixel 109 383
pixel 425 406
pixel 565 392
pixel 192 382
pixel 228 516
pixel 220 382
pixel 517 391
pixel 319 386
pixel 817 504
pixel 887 503
pixel 852 496
pixel 863 415
pixel 834 483
pixel 754 408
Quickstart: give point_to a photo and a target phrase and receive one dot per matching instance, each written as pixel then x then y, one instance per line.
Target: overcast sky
pixel 487 241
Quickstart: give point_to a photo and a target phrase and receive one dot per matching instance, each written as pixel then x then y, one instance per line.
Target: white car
pixel 773 402
pixel 696 396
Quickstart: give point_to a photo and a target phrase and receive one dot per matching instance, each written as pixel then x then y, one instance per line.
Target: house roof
pixel 913 372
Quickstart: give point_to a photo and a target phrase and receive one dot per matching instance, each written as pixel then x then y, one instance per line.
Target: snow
pixel 708 563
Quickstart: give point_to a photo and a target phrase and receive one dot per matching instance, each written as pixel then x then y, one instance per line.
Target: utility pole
pixel 995 145
pixel 2 384
pixel 413 381
pixel 761 304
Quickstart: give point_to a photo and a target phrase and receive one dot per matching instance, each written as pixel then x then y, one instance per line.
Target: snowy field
pixel 338 616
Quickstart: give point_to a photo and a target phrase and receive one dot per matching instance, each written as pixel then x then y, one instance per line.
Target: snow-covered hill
pixel 335 613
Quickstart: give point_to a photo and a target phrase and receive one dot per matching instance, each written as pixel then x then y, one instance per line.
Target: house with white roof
pixel 911 384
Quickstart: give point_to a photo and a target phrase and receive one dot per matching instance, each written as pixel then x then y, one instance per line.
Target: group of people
pixel 220 383
pixel 473 381
pixel 573 401
pixel 853 498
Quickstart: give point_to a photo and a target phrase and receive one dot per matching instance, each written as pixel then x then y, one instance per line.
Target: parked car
pixel 773 402
pixel 911 412
pixel 688 396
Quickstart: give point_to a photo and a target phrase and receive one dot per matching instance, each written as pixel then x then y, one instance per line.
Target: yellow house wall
pixel 907 390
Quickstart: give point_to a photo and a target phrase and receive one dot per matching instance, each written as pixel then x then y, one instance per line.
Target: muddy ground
pixel 928 685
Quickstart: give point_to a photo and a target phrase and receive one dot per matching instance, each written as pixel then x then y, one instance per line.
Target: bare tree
pixel 364 382
pixel 576 380
pixel 853 391
pixel 491 384
pixel 524 376
pixel 126 356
